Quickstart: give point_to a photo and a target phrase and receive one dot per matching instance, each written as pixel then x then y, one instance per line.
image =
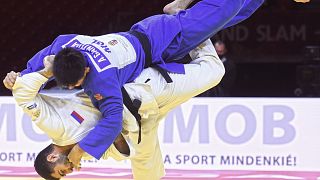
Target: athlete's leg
pixel 173 36
pixel 249 7
pixel 147 164
pixel 202 73
pixel 203 20
pixel 205 71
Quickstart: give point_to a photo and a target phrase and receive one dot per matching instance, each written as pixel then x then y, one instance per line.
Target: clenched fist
pixel 10 79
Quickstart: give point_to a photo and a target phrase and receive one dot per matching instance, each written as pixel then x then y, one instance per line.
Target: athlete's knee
pixel 230 8
pixel 233 6
pixel 214 72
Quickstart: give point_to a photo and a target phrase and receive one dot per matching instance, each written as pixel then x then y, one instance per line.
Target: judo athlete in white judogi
pixel 68 119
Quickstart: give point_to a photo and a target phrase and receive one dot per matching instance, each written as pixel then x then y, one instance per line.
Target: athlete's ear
pixel 52 157
pixel 86 70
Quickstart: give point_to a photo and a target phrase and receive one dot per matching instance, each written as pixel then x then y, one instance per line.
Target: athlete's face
pixel 79 83
pixel 62 167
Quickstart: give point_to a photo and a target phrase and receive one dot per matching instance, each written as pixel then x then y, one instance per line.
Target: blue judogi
pixel 171 37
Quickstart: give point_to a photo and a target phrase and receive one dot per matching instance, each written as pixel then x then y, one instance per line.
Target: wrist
pixel 79 149
pixel 46 73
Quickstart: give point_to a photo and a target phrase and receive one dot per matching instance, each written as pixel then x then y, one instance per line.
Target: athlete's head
pixel 69 68
pixel 220 47
pixel 51 164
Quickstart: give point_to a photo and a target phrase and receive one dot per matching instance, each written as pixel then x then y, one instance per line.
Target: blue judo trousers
pixel 171 37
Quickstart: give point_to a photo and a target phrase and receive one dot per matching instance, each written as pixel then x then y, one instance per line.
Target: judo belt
pixel 133 107
pixel 145 43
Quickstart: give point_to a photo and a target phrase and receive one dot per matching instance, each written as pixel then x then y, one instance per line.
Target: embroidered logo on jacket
pixel 32 106
pixel 35 113
pixel 77 117
pixel 98 96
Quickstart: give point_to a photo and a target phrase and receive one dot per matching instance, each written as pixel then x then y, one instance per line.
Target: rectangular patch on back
pixel 77 117
pixel 99 59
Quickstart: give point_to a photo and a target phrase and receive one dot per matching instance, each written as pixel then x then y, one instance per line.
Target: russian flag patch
pixel 77 117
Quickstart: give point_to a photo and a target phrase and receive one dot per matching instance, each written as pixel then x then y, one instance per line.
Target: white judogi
pixel 54 115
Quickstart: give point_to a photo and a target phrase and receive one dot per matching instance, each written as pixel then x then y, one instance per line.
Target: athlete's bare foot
pixel 176 6
pixel 302 1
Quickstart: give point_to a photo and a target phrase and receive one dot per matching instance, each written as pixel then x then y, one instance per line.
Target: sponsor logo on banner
pixel 269 134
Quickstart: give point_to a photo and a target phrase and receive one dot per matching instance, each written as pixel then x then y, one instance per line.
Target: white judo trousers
pixel 204 72
pixel 53 114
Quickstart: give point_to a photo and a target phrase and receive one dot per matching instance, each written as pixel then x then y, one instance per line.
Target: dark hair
pixel 68 66
pixel 44 167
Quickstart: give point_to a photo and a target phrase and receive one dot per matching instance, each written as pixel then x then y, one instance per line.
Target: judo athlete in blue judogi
pixel 114 59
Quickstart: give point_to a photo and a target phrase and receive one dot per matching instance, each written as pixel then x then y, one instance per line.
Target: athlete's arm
pixel 26 88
